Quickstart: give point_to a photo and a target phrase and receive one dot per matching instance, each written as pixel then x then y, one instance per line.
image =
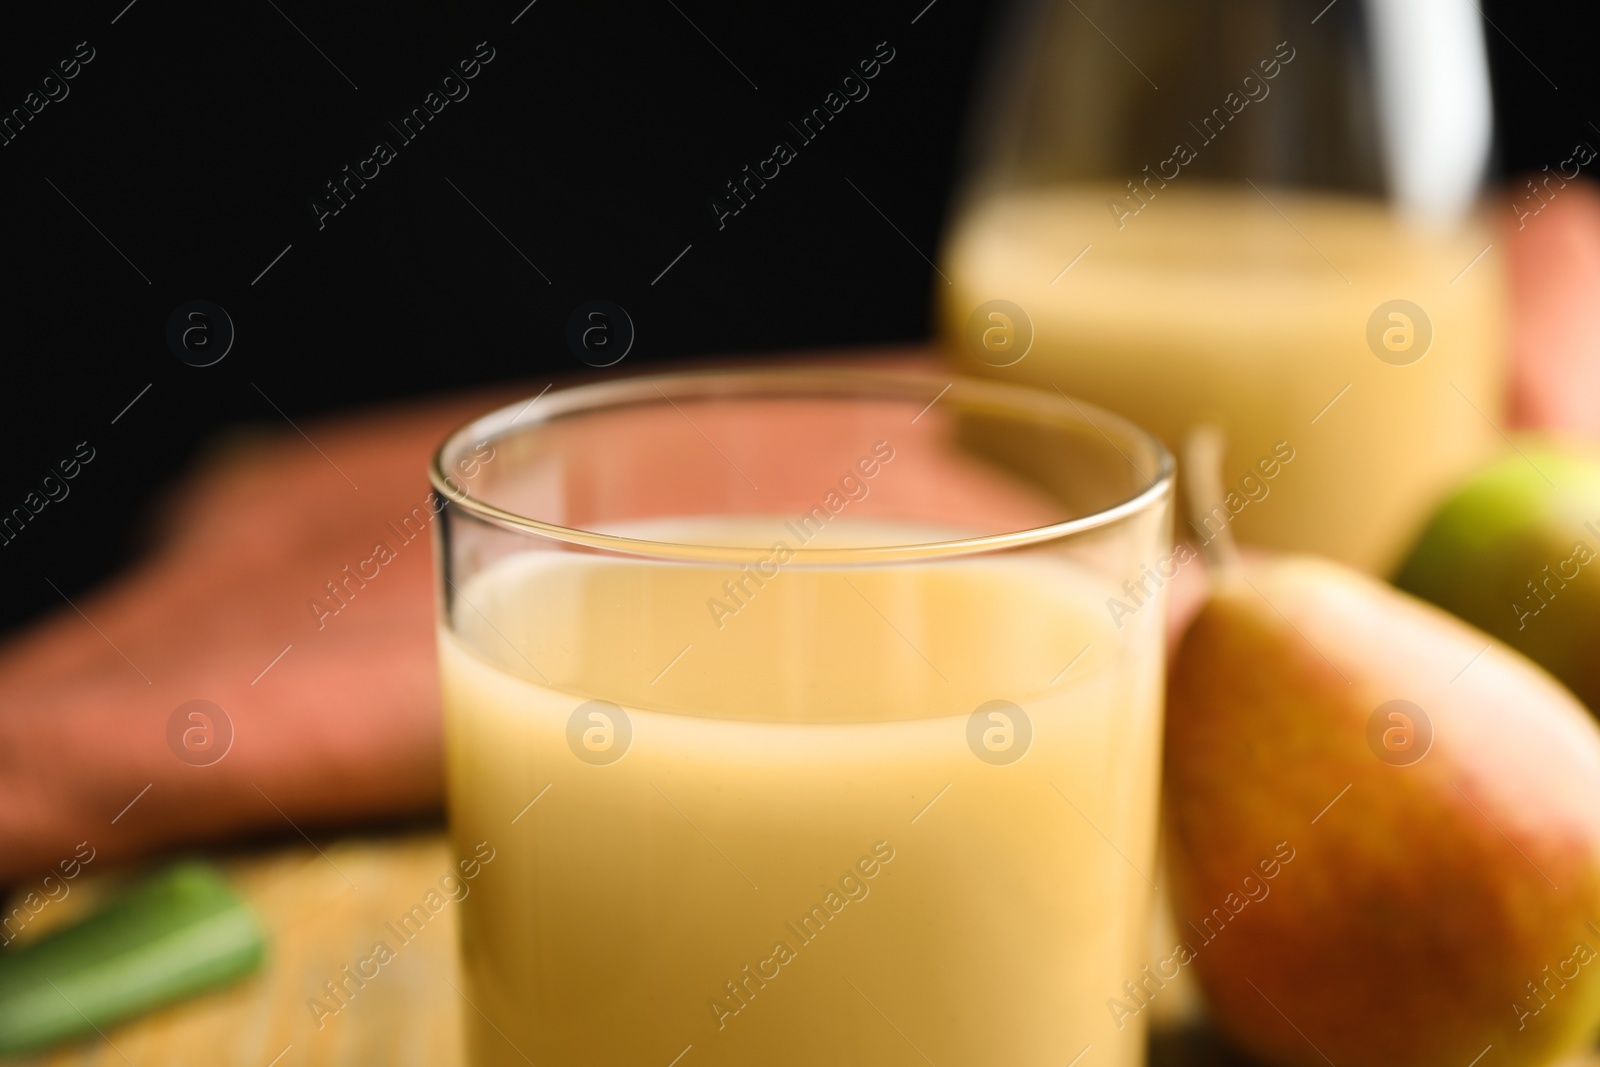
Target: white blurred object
pixel 1434 112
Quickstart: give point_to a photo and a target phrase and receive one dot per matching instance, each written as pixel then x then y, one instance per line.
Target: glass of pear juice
pixel 792 708
pixel 1208 307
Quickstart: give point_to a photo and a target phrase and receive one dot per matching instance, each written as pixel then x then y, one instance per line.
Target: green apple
pixel 1516 552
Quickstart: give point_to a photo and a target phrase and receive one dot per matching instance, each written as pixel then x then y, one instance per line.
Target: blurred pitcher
pixel 1253 213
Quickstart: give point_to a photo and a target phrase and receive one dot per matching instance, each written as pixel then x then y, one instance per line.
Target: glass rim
pixel 795 382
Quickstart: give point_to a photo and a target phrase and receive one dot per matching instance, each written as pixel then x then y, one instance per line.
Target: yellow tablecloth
pixel 324 909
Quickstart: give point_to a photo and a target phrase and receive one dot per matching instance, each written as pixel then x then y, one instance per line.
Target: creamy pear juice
pixel 1265 312
pixel 787 840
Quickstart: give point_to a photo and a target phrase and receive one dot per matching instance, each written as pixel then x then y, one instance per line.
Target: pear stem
pixel 1203 449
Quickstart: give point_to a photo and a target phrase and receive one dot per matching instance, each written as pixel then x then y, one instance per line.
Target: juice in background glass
pixel 1250 214
pixel 1209 306
pixel 854 803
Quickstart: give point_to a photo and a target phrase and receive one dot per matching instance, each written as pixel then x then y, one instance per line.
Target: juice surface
pixel 1253 309
pixel 807 853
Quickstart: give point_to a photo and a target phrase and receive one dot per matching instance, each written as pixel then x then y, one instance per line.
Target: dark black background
pixel 594 141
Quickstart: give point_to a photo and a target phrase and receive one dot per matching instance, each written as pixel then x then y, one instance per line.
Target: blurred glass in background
pixel 1252 213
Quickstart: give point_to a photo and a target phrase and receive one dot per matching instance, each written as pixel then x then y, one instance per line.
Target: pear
pixel 1384 829
pixel 1515 551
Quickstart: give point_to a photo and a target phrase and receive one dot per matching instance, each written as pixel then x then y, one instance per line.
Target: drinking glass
pixel 1261 214
pixel 806 717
